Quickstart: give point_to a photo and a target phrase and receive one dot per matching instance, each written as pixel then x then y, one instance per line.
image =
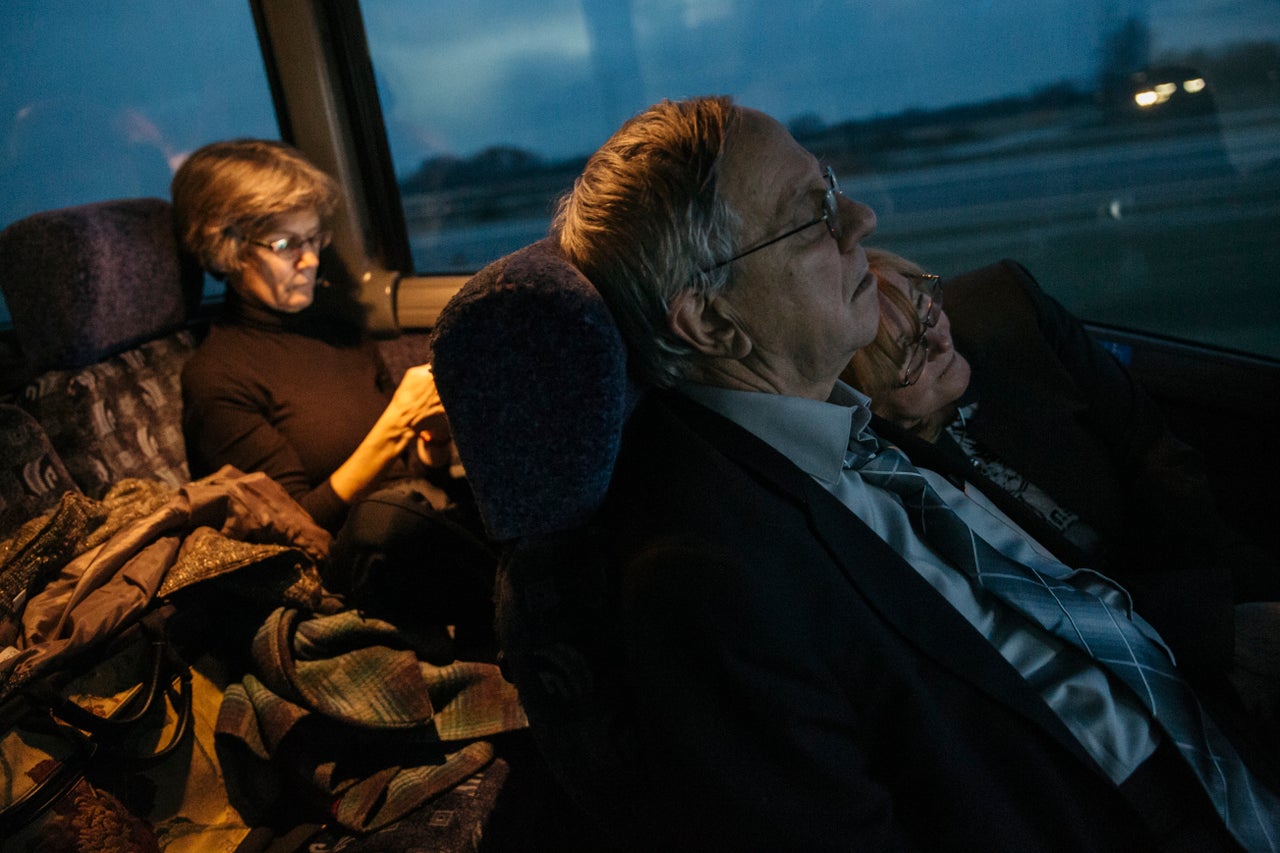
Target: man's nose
pixel 859 223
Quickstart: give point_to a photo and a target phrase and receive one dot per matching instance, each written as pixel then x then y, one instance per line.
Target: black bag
pixel 127 706
pixel 401 557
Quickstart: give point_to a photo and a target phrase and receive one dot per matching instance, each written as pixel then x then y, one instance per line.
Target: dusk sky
pixel 494 71
pixel 554 77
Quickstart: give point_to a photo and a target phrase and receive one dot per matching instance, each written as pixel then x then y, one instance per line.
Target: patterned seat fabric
pixel 121 417
pixel 31 474
pixel 99 296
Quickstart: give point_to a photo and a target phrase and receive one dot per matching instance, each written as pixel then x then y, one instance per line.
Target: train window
pixel 1127 152
pixel 102 100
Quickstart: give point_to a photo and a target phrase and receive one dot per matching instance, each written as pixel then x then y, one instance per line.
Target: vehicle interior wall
pixel 1227 406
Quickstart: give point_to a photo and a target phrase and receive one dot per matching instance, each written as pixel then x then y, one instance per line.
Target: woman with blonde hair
pixel 1002 381
pixel 286 383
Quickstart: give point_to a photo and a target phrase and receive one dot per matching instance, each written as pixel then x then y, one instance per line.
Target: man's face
pixel 807 302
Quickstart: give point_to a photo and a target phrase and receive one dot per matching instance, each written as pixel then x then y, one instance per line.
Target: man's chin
pixel 866 317
pixel 865 333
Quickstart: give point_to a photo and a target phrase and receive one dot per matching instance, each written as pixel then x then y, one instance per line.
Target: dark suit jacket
pixel 792 683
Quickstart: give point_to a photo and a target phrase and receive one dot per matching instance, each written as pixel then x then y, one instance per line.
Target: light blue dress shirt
pixel 1103 714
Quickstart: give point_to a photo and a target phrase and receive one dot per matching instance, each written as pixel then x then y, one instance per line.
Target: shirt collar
pixel 813 434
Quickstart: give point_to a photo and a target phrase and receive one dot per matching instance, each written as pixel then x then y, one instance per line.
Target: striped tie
pixel 1128 647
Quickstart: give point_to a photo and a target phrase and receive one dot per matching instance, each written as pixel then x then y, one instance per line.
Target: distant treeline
pixel 502 163
pixel 1247 74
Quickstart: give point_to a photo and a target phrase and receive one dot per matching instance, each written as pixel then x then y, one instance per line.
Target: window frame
pixel 322 81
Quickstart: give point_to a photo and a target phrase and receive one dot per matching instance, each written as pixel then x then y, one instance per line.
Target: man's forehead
pixel 768 169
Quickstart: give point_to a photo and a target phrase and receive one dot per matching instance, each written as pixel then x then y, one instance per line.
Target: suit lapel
pixel 914 609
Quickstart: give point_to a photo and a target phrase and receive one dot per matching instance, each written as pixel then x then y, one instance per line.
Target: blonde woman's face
pixel 274 281
pixel 944 374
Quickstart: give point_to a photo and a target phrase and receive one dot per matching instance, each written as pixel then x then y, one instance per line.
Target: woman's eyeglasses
pixel 290 248
pixel 916 354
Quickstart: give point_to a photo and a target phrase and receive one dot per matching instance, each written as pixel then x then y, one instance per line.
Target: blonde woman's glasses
pixel 290 248
pixel 918 352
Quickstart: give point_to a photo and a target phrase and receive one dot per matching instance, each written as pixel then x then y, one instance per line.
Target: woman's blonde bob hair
pixel 228 192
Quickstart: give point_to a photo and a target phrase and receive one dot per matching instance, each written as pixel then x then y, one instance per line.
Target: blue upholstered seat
pixel 532 371
pixel 87 282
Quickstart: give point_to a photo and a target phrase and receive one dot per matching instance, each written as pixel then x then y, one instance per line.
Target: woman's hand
pixel 415 409
pixel 435 445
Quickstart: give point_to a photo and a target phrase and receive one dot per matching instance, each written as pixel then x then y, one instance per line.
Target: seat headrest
pixel 532 372
pixel 85 282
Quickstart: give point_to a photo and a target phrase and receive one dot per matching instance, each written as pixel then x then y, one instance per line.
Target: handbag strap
pixel 163 665
pixel 64 776
pixel 40 707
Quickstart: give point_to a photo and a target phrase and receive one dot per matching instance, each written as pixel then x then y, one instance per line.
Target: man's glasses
pixel 290 248
pixel 916 354
pixel 830 215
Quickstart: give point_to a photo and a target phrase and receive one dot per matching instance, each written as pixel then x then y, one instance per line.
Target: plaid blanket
pixel 344 702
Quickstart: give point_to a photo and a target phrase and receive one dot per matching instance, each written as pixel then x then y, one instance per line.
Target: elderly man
pixel 825 647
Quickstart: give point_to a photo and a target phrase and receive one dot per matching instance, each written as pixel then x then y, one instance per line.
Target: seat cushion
pixel 121 417
pixel 32 477
pixel 532 371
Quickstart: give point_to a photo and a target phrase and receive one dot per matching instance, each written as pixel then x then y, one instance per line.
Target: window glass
pixel 101 100
pixel 1127 151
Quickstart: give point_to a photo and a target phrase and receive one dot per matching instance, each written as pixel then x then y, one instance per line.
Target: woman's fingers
pixel 416 402
pixel 434 449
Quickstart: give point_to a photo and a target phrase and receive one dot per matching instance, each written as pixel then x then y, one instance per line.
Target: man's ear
pixel 708 324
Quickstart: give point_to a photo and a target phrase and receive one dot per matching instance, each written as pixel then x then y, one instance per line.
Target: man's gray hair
pixel 646 221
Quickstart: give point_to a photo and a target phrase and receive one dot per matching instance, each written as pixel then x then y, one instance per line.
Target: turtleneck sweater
pixel 290 395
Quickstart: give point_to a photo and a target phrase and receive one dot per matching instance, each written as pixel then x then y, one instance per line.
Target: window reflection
pixel 1007 129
